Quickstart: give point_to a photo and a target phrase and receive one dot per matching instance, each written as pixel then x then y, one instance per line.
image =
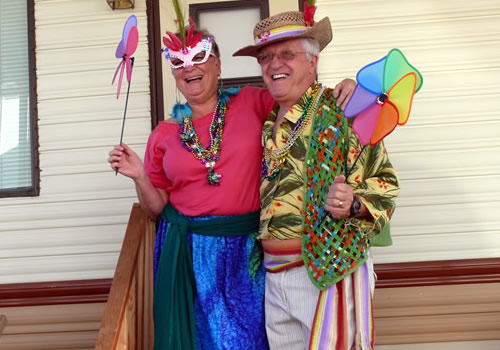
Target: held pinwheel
pixel 124 51
pixel 383 97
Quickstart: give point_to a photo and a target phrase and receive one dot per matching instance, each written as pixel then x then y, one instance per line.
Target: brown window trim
pixel 155 62
pixel 195 9
pixel 34 189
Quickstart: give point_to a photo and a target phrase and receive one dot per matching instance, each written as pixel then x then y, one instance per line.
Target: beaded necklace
pixel 191 142
pixel 273 160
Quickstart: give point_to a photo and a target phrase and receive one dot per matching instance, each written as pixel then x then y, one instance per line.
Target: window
pixel 18 131
pixel 240 17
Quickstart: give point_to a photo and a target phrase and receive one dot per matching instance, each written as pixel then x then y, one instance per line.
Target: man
pixel 320 282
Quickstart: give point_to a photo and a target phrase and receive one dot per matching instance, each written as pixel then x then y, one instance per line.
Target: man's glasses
pixel 265 58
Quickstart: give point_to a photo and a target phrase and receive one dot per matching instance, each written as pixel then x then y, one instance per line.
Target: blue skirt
pixel 229 304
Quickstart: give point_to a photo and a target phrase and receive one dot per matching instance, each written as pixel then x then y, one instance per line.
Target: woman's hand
pixel 343 92
pixel 127 162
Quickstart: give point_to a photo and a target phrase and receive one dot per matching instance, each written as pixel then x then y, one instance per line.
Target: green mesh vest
pixel 331 249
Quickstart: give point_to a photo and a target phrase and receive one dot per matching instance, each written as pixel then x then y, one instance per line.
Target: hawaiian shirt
pixel 373 179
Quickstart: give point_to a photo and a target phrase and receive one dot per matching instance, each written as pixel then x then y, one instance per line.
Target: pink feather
pixel 309 14
pixel 172 42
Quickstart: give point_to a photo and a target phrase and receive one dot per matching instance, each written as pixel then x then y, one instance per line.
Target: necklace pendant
pixel 187 136
pixel 191 142
pixel 213 177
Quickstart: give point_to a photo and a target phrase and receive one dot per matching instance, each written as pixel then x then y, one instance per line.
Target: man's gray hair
pixel 311 47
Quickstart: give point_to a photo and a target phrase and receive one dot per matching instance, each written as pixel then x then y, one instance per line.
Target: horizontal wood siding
pixel 72 326
pixel 457 316
pixel 74 229
pixel 467 312
pixel 448 154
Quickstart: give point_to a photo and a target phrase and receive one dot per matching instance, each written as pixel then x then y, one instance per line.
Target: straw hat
pixel 286 26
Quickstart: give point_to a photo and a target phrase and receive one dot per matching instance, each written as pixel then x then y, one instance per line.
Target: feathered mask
pixel 185 50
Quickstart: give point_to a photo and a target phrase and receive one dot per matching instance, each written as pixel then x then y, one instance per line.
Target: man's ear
pixel 314 64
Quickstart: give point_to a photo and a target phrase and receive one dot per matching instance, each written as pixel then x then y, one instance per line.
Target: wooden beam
pixel 3 323
pixel 435 273
pixel 55 293
pixel 122 281
pixel 412 274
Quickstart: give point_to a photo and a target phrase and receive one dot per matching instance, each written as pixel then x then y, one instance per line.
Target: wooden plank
pixel 52 314
pixel 54 293
pixel 122 281
pixel 446 313
pixel 148 322
pixel 430 273
pixel 3 323
pixel 52 341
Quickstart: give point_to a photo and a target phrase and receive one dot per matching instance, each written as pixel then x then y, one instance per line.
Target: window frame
pixel 34 189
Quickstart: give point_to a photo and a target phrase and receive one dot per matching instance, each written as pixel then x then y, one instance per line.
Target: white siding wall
pixel 167 23
pixel 74 229
pixel 448 155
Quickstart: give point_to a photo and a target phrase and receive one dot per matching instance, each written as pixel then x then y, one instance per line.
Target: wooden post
pixel 127 320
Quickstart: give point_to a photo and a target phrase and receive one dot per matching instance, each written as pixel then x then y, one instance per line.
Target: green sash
pixel 175 286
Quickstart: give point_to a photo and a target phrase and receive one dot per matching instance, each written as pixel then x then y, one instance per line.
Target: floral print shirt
pixel 373 179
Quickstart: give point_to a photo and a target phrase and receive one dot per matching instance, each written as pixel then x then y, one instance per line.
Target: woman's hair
pixel 311 47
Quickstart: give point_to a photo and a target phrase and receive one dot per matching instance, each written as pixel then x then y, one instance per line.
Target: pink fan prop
pixel 126 48
pixel 124 51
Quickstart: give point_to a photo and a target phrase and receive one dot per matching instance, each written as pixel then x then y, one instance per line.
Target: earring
pixel 220 83
pixel 177 96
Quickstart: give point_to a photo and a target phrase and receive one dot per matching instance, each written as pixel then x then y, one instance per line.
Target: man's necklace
pixel 191 142
pixel 273 160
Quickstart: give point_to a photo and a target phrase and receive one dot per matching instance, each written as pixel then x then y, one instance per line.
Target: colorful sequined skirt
pixel 229 303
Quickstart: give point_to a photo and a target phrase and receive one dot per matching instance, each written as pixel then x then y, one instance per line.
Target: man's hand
pixel 340 197
pixel 343 91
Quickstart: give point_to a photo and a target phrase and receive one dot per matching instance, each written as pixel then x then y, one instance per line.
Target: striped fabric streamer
pixel 279 32
pixel 277 261
pixel 333 327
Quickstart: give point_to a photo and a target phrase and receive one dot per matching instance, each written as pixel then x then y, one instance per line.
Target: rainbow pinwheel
pixel 125 50
pixel 383 97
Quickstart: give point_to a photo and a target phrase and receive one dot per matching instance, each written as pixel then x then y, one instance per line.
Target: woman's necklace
pixel 273 160
pixel 211 154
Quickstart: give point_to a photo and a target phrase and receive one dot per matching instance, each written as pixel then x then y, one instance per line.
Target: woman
pixel 208 199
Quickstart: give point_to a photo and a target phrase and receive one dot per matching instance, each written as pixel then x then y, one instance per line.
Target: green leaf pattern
pixel 373 179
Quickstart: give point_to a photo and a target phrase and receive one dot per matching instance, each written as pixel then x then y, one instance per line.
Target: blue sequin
pixel 229 304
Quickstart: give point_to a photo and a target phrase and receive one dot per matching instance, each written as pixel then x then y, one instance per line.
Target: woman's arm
pixel 128 163
pixel 343 92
